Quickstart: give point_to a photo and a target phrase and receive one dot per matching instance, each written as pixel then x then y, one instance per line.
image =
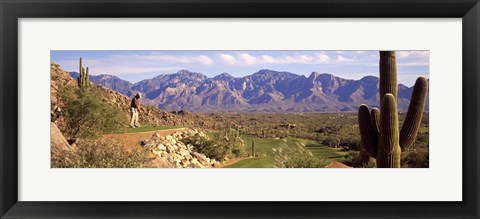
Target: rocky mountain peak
pixel 272 75
pixel 188 73
pixel 224 76
pixel 326 77
pixel 369 78
pixel 313 75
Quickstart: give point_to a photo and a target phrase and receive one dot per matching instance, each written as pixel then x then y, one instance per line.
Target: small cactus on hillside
pixel 253 147
pixel 83 78
pixel 379 129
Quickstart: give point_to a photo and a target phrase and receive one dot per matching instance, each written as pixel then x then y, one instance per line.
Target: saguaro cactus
pixel 83 78
pixel 253 147
pixel 379 129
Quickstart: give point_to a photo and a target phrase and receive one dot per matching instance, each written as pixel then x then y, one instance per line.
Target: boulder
pixel 184 152
pixel 188 157
pixel 201 158
pixel 195 164
pixel 173 151
pixel 170 149
pixel 60 149
pixel 161 147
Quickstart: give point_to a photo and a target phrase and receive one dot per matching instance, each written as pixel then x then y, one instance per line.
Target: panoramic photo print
pixel 239 109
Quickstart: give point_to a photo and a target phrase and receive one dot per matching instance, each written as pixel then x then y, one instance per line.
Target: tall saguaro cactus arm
pixel 388 74
pixel 412 122
pixel 80 68
pixel 375 114
pixel 389 135
pixel 253 147
pixel 87 78
pixel 389 151
pixel 369 136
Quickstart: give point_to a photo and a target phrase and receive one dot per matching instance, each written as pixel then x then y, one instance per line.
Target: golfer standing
pixel 134 108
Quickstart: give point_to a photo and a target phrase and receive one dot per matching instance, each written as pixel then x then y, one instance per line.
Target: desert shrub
pixel 422 140
pixel 98 154
pixel 353 142
pixel 415 159
pixel 330 141
pixel 297 156
pixel 207 146
pixel 372 163
pixel 351 158
pixel 305 161
pixel 216 147
pixel 87 115
pixel 237 148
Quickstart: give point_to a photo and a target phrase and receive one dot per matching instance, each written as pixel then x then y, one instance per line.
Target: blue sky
pixel 135 66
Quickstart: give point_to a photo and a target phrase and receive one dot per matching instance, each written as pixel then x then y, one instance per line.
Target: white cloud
pixel 418 54
pixel 425 63
pixel 403 54
pixel 268 59
pixel 302 59
pixel 247 58
pixel 229 59
pixel 205 60
pixel 244 58
pixel 322 57
pixel 413 58
pixel 305 58
pixel 341 59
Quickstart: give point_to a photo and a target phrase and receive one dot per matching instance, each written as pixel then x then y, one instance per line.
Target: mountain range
pixel 263 91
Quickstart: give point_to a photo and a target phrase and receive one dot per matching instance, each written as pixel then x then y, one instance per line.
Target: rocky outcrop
pixel 60 149
pixel 172 150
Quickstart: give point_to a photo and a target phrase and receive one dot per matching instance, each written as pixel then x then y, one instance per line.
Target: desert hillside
pixel 149 115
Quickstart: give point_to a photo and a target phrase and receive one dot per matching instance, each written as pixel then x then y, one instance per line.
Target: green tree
pixel 87 115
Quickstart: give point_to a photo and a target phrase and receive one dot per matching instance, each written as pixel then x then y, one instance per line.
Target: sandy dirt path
pixel 133 140
pixel 336 164
pixel 232 161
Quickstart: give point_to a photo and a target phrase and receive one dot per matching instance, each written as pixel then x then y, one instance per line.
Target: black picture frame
pixel 12 10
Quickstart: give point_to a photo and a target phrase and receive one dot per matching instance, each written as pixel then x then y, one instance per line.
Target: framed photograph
pixel 169 109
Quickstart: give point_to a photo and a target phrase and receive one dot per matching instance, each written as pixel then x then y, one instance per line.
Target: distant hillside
pixel 110 81
pixel 263 91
